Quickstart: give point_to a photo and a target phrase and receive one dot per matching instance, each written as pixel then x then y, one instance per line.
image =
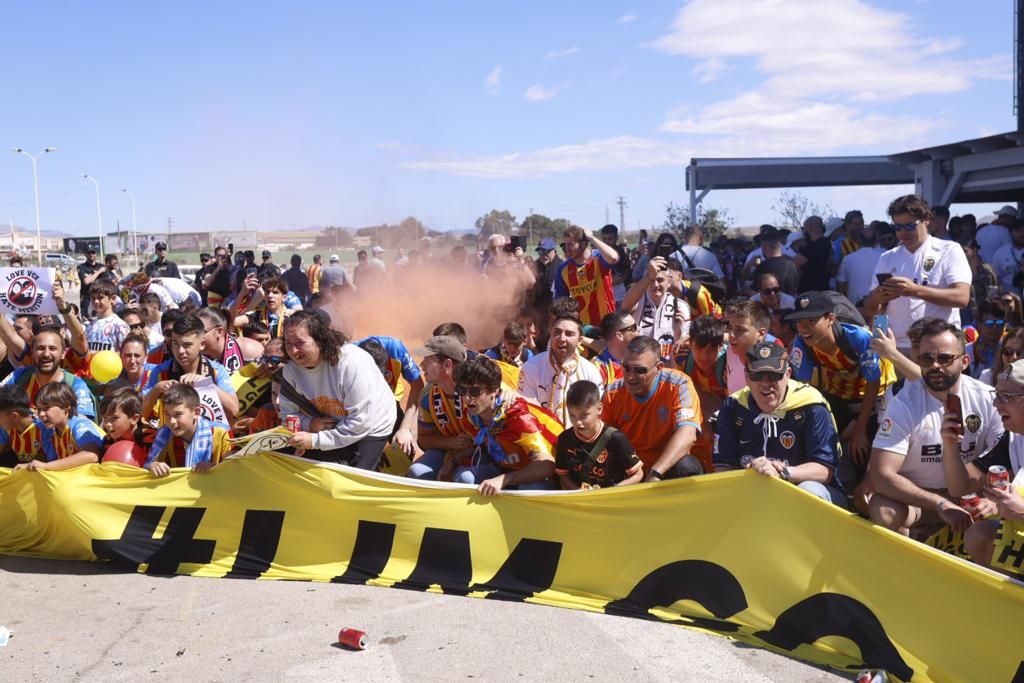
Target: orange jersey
pixel 650 421
pixel 590 284
pixel 313 275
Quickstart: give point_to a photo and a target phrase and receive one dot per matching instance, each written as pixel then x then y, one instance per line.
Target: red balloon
pixel 127 452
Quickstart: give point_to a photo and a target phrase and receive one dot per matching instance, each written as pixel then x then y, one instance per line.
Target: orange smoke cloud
pixel 409 303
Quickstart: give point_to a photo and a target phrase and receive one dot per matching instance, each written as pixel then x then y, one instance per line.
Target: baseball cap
pixel 1014 372
pixel 334 258
pixel 160 246
pixel 90 250
pixel 1007 211
pixel 447 346
pixel 833 224
pixel 810 305
pixel 610 229
pixel 377 249
pixel 334 276
pixel 770 234
pixel 266 254
pixel 547 244
pixel 767 356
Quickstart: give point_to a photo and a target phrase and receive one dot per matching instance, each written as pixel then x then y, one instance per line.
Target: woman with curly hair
pixel 346 409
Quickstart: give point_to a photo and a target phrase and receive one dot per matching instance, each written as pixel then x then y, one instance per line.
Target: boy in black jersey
pixel 591 454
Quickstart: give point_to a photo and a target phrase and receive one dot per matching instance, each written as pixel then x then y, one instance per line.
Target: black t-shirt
pixel 814 275
pixel 999 454
pixel 162 268
pixel 616 461
pixel 85 269
pixel 784 270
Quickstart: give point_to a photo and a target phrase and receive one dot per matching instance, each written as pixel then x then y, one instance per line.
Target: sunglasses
pixel 136 326
pixel 1006 396
pixel 472 392
pixel 926 360
pixel 635 369
pixel 772 290
pixel 271 360
pixel 765 376
pixel 631 328
pixel 904 227
pixel 999 322
pixel 1014 353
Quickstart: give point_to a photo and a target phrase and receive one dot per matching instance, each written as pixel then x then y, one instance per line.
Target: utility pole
pixel 170 228
pixel 622 213
pixel 529 227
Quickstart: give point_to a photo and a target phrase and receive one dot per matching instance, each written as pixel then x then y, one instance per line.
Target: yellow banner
pixel 735 554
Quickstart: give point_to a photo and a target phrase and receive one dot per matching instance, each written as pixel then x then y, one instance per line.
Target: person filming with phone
pixel 906 471
pixel 922 277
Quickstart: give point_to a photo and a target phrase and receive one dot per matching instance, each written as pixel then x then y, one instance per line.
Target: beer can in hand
pixel 352 639
pixel 293 423
pixel 969 500
pixel 998 477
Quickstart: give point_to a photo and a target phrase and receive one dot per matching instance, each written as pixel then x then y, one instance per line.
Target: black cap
pixel 160 245
pixel 611 229
pixel 767 356
pixel 810 305
pixel 205 256
pixel 266 254
pixel 90 250
pixel 770 234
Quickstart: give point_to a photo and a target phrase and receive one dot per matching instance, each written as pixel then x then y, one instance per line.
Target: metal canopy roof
pixel 728 174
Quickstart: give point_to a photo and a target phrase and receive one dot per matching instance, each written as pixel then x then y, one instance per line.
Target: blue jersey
pixel 844 374
pixel 801 430
pixel 400 362
pixel 77 433
pixel 169 370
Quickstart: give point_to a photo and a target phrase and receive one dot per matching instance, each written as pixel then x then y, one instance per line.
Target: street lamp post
pixel 99 214
pixel 35 184
pixel 135 231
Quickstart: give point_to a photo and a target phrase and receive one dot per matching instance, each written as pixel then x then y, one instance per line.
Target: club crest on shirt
pixel 796 357
pixel 972 423
pixel 929 263
pixel 787 439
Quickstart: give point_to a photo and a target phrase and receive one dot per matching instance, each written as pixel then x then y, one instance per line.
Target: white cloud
pixel 537 92
pixel 753 124
pixel 817 47
pixel 626 19
pixel 390 145
pixel 493 78
pixel 622 152
pixel 556 54
pixel 710 69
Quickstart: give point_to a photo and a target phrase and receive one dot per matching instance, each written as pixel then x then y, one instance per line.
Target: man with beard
pixel 658 411
pixel 586 275
pixel 907 458
pixel 780 428
pixel 47 354
pixel 546 378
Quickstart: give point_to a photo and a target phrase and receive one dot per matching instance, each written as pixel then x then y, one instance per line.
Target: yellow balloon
pixel 105 366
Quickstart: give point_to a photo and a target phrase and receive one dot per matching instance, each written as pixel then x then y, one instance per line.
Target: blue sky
pixel 286 116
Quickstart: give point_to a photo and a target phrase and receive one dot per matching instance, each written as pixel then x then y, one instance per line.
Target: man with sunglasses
pixel 907 471
pixel 218 344
pixel 658 411
pixel 770 293
pixel 617 329
pixel 779 427
pixel 924 277
pixel 984 350
pixel 996 542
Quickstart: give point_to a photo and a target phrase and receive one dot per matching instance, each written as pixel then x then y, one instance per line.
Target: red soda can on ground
pixel 865 676
pixel 998 477
pixel 293 423
pixel 352 639
pixel 970 500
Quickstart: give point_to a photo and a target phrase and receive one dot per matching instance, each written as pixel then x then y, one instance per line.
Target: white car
pixel 188 273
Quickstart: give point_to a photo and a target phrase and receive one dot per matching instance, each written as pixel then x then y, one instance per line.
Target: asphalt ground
pixel 81 621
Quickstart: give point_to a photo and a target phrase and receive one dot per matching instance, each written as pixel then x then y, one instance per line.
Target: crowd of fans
pixel 877 366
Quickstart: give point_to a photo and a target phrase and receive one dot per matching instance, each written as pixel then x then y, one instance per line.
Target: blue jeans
pixel 829 494
pixel 427 466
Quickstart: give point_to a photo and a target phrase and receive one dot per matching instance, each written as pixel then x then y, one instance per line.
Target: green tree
pixel 537 226
pixel 495 223
pixel 713 222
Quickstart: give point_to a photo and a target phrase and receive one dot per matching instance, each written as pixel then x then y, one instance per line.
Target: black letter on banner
pixel 370 554
pixel 706 583
pixel 831 614
pixel 444 560
pixel 1019 676
pixel 261 532
pixel 529 570
pixel 177 545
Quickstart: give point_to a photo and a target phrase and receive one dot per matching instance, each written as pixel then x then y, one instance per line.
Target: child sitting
pixel 591 454
pixel 186 439
pixel 122 418
pixel 68 439
pixel 20 431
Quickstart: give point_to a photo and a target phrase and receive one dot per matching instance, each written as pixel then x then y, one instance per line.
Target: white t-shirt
pixel 990 237
pixel 1005 262
pixel 702 257
pixel 179 290
pixel 106 334
pixel 858 271
pixel 735 377
pixel 936 263
pixel 785 300
pixel 541 383
pixel 913 423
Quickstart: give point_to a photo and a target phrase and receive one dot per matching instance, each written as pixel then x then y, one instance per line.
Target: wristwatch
pixel 784 474
pixel 656 474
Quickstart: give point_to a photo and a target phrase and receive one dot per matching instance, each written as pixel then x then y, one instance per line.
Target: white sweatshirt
pixel 354 391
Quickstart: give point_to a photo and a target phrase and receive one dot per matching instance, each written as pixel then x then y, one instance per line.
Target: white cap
pixel 1007 211
pixel 833 224
pixel 334 258
pixel 377 249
